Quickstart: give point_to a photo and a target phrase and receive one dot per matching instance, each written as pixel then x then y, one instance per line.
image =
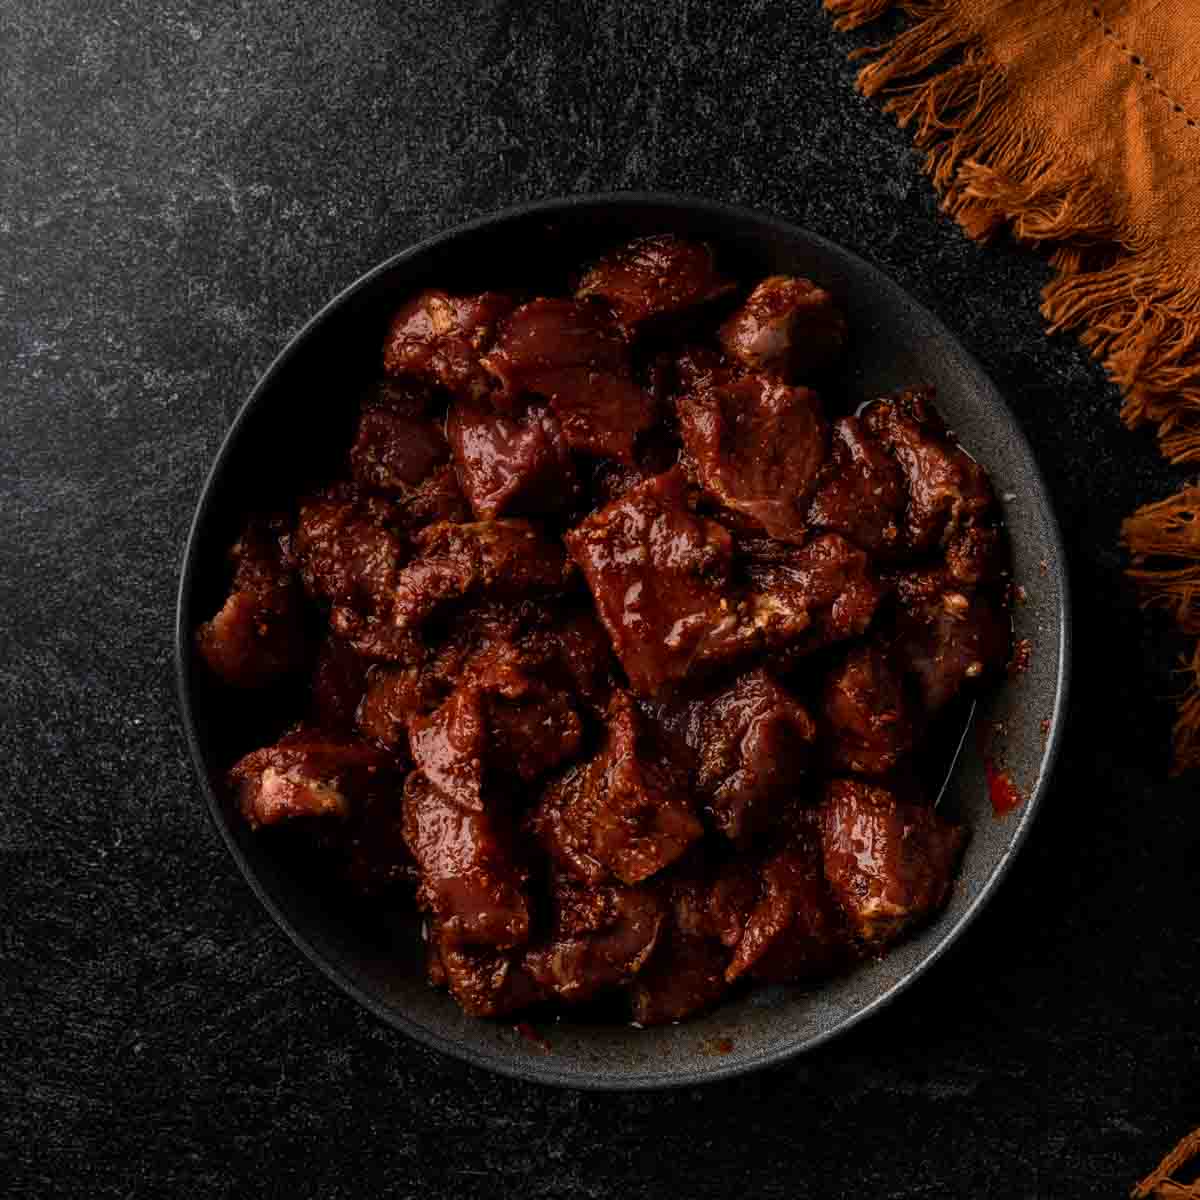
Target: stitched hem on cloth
pixel 1128 304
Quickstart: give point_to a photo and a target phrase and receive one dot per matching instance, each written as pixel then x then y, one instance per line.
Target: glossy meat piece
pixel 869 715
pixel 861 494
pixel 438 497
pixel 308 773
pixel 795 930
pixel 532 732
pixel 946 638
pixel 757 445
pixel 508 558
pixel 394 452
pixel 438 339
pixel 749 744
pixel 788 327
pixel 947 489
pixel 484 982
pixel 975 556
pixel 625 811
pixel 658 575
pixel 599 938
pixel 395 694
pixel 338 683
pixel 567 353
pixel 257 636
pixel 584 655
pixel 888 862
pixel 510 465
pixel 449 746
pixel 348 548
pixel 470 880
pixel 685 976
pixel 654 278
pixel 829 579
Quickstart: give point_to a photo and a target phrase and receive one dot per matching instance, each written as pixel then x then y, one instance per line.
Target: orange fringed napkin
pixel 1075 126
pixel 1159 1185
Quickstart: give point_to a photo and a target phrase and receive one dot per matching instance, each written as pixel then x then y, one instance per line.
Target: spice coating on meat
pixel 470 880
pixel 788 327
pixel 624 812
pixel 439 339
pixel 654 278
pixel 657 572
pixel 566 352
pixel 308 774
pixel 889 862
pixel 510 465
pixel 870 716
pixel 758 446
pixel 258 634
pixel 861 494
pixel 749 745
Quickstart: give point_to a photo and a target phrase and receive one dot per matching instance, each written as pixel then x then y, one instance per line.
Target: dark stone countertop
pixel 183 185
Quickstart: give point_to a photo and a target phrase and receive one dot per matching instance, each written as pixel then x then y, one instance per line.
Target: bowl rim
pixel 543 1072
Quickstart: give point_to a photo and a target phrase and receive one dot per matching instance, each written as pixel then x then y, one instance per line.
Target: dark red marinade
pixel 632 640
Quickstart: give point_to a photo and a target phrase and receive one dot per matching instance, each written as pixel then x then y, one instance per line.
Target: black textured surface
pixel 182 186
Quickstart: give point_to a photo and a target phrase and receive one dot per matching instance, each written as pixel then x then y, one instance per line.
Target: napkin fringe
pixel 1128 305
pixel 1161 536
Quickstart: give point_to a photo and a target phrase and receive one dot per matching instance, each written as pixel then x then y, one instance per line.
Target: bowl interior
pixel 298 421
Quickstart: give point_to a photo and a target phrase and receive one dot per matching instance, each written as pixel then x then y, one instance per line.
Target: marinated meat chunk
pixel 945 637
pixel 623 812
pixel 947 489
pixel 396 694
pixel 449 746
pixel 975 556
pixel 258 635
pixel 685 976
pixel 529 663
pixel 654 278
pixel 861 494
pixel 600 938
pixel 585 656
pixel 492 558
pixel 566 352
pixel 658 574
pixel 788 327
pixel 484 982
pixel 438 497
pixel 438 339
pixel 868 713
pixel 888 862
pixel 758 446
pixel 698 367
pixel 510 465
pixel 532 732
pixel 470 880
pixel 308 773
pixel 348 548
pixel 829 580
pixel 795 930
pixel 750 745
pixel 394 452
pixel 523 731
pixel 338 683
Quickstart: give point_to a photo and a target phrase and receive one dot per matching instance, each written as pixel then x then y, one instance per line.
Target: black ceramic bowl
pixel 297 419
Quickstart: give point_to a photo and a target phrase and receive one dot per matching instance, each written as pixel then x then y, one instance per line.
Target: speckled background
pixel 180 187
